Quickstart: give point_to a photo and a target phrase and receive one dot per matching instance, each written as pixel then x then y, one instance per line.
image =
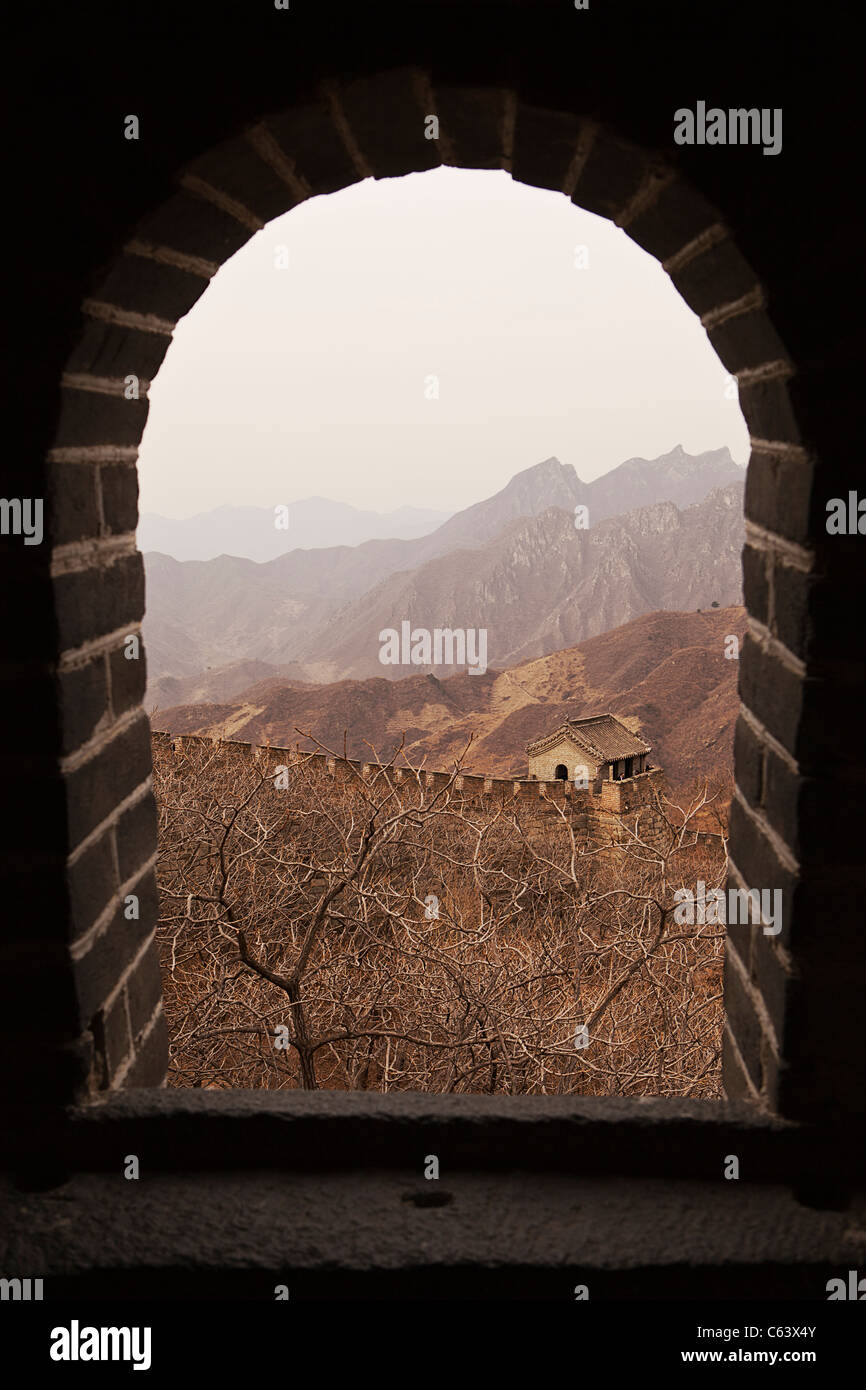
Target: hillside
pixel 542 585
pixel 665 674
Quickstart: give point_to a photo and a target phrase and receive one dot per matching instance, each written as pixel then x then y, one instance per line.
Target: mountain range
pixel 665 674
pixel 313 522
pixel 662 534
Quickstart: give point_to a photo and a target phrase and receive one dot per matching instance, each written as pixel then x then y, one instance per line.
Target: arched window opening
pixel 128 317
pixel 307 668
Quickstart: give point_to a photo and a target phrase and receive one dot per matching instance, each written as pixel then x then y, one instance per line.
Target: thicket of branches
pixel 382 936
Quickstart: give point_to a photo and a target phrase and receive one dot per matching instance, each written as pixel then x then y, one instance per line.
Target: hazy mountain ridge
pixel 218 613
pixel 321 523
pixel 542 584
pixel 250 533
pixel 677 477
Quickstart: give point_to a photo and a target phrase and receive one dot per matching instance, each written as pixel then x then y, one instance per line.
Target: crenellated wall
pixel 596 813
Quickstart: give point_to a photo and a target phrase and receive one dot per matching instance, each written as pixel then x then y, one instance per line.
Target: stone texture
pixel 109 776
pixel 83 692
pixel 194 227
pixel 119 486
pixel 96 601
pixel 146 286
pixel 98 971
pixel 72 510
pixel 378 1235
pixel 472 119
pixel 235 168
pixel 92 418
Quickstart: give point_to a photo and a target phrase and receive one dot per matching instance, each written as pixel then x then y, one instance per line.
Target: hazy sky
pixel 314 380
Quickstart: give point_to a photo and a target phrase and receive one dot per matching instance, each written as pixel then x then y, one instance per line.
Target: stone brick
pixel 71 506
pixel 95 788
pixel 128 678
pixel 151 1057
pixel 146 286
pixel 824 1038
pixel 98 971
pixel 779 495
pixel 675 218
pixel 766 406
pixel 236 168
pixel 92 602
pixel 808 616
pixel 772 691
pixel 774 1071
pixel 310 142
pixel 92 883
pixel 91 417
pixel 119 484
pixel 744 1023
pixel 748 928
pixel 194 227
pixel 611 176
pixel 472 119
pixel 735 1078
pixel 716 277
pixel 545 143
pixel 756 584
pixel 791 619
pixel 819 818
pixel 387 122
pixel 741 937
pixel 112 350
pixel 115 1040
pixel 758 864
pixel 83 699
pixel 782 800
pixel 749 760
pixel 144 991
pixel 747 341
pixel 136 835
pixel 776 985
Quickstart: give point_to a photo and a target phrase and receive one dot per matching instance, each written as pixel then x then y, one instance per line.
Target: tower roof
pixel 601 735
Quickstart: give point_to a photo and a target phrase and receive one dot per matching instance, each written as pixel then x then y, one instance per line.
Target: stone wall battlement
pixel 613 799
pixel 597 813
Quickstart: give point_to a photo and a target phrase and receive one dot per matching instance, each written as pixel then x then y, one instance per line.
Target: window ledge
pixel 184 1130
pixel 379 1234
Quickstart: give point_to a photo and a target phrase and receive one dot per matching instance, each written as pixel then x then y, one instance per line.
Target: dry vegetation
pixel 300 946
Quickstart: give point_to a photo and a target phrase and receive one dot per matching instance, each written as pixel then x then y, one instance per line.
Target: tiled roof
pixel 602 735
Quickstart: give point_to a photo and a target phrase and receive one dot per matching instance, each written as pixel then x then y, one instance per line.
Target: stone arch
pixel 561 773
pixel 108 1027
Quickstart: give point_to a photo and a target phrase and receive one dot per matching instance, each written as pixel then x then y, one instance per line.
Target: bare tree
pixel 369 933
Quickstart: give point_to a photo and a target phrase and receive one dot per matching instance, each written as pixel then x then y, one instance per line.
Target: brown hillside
pixel 665 674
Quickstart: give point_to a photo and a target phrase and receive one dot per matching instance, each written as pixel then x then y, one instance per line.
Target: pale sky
pixel 287 383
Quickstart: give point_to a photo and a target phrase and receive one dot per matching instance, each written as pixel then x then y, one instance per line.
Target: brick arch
pixel 348 131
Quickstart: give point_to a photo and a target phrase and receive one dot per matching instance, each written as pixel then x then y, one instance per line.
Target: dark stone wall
pixel 244 112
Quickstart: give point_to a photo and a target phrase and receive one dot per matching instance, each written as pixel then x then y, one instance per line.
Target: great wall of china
pixel 601 813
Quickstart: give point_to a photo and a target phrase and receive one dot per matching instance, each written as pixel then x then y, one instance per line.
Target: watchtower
pixel 594 750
